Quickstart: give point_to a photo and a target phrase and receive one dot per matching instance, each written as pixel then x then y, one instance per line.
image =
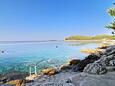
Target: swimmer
pixel 2 51
pixel 56 46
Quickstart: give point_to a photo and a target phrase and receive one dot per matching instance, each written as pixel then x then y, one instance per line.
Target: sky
pixel 25 20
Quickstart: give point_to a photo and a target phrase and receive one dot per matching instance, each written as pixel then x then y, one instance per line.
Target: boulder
pixel 74 61
pixel 13 76
pixel 49 71
pixel 65 67
pixel 104 64
pixel 95 68
pixel 105 60
pixel 82 64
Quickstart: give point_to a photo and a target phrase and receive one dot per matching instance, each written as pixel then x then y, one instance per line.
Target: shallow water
pixel 18 56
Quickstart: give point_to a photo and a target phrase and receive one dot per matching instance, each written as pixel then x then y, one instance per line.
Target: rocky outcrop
pixel 12 76
pixel 95 68
pixel 68 67
pixel 76 65
pixel 101 66
pixel 83 79
pixel 49 71
pixel 89 59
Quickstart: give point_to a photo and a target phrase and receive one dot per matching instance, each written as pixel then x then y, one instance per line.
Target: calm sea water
pixel 19 56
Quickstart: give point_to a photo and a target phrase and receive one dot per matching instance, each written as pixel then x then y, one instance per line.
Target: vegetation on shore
pixel 97 37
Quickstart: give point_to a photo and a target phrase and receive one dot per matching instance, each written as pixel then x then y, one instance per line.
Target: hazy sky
pixel 52 19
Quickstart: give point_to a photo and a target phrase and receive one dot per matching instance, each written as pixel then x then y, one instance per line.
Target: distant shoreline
pixel 97 37
pixel 82 40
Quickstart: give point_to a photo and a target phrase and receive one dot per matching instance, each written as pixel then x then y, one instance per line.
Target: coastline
pixel 87 40
pixel 67 73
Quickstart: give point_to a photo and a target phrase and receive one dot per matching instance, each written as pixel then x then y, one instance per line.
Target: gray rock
pixel 78 78
pixel 95 68
pixel 110 68
pixel 57 84
pixel 12 76
pixel 105 60
pixel 112 62
pixel 84 79
pixel 89 81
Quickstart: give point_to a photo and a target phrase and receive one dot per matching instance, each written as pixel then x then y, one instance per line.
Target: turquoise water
pixel 19 56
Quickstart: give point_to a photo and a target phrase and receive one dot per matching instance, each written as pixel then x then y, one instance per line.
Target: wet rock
pixel 65 67
pixel 49 71
pixel 74 62
pixel 13 76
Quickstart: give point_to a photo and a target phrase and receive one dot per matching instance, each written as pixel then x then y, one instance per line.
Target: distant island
pixel 97 37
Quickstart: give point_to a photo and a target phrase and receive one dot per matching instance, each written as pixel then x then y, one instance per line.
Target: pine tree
pixel 111 12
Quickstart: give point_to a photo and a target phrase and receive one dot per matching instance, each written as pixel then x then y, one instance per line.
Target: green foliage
pixel 78 37
pixel 97 37
pixel 111 12
pixel 111 26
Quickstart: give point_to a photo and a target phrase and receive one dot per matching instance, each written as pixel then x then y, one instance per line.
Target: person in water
pixel 2 51
pixel 56 46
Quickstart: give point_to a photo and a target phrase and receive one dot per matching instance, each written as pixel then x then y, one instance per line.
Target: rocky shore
pixel 97 69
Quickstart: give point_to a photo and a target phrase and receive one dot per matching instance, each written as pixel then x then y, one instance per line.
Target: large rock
pixel 69 65
pixel 95 68
pixel 12 76
pixel 82 64
pixel 110 50
pixel 100 66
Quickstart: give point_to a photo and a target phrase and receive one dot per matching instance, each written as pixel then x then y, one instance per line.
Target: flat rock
pixel 84 79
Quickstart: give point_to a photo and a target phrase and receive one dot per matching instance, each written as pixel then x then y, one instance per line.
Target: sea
pixel 21 55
